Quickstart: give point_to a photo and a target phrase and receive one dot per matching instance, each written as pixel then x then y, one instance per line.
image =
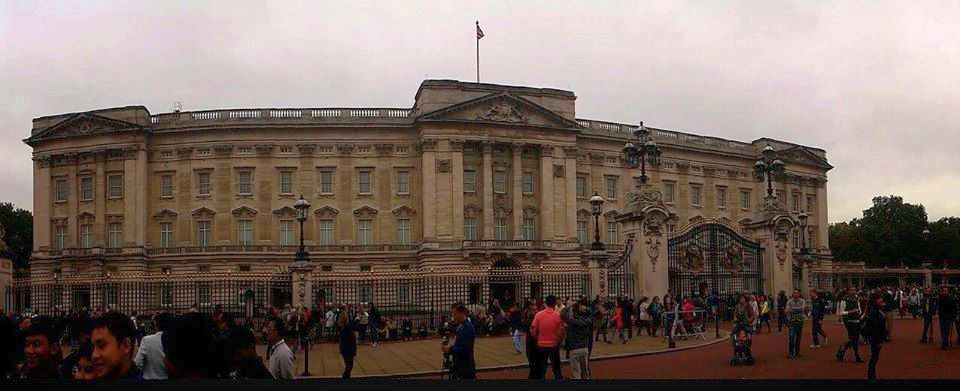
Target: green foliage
pixel 19 236
pixel 891 232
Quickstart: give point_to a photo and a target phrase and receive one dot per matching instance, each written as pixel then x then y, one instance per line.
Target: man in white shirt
pixel 150 355
pixel 279 355
pixel 330 320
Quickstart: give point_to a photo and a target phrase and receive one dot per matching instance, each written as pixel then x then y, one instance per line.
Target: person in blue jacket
pixel 464 366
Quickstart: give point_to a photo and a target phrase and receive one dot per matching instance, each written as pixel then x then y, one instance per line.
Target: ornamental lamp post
pixel 301 265
pixel 597 250
pixel 767 167
pixel 803 230
pixel 643 152
pixel 597 203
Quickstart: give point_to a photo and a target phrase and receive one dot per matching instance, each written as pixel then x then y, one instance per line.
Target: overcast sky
pixel 876 84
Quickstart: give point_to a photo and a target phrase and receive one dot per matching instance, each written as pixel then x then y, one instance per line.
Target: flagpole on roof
pixel 479 34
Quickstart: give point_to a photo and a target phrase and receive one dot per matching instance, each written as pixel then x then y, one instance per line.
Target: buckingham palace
pixel 476 192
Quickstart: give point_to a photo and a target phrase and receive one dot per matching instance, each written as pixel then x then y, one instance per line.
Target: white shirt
pixel 330 319
pixel 150 357
pixel 281 361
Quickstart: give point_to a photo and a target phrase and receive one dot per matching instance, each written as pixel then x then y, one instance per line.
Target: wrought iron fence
pixel 711 257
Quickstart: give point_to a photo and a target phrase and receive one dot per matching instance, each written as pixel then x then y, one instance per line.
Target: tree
pixel 18 224
pixel 846 242
pixel 944 242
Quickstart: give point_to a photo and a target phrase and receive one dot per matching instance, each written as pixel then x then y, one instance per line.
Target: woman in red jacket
pixel 619 322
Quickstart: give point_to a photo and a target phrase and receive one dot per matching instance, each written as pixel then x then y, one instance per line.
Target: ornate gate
pixel 710 256
pixel 620 278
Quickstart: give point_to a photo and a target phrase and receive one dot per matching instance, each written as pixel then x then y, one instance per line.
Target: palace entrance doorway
pixel 505 278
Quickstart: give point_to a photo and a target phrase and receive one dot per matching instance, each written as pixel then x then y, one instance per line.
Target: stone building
pixel 472 177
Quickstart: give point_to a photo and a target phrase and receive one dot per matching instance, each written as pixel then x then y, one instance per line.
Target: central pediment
pixel 500 108
pixel 83 124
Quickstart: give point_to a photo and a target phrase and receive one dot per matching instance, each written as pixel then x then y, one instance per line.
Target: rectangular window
pixel 403 231
pixel 582 231
pixel 166 295
pixel 529 229
pixel 796 238
pixel 115 186
pixel 60 193
pixel 203 293
pixel 499 182
pixel 204 234
pixel 366 293
pixel 527 179
pixel 403 182
pixel 243 268
pixel 326 182
pixel 286 182
pixel 166 186
pixel 721 197
pixel 86 189
pixel 695 195
pixel 60 237
pixel 363 179
pixel 500 229
pixel 669 192
pixel 166 234
pixel 115 235
pixel 403 294
pixel 781 196
pixel 326 232
pixel 286 232
pixel 245 183
pixel 474 297
pixel 245 232
pixel 582 186
pixel 203 183
pixel 611 188
pixel 470 228
pixel 795 201
pixel 86 235
pixel 671 228
pixel 365 231
pixel 469 181
pixel 613 233
pixel 744 199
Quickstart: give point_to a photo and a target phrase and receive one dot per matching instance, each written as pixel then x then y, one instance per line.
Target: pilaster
pixel 428 160
pixel 547 220
pixel 487 190
pixel 516 191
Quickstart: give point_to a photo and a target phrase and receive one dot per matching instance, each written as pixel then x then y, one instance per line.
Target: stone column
pixel 570 204
pixel 138 221
pixel 547 221
pixel 517 192
pixel 100 195
pixel 777 259
pixel 597 267
pixel 302 284
pixel 644 227
pixel 823 226
pixel 927 277
pixel 456 156
pixel 130 190
pixel 42 192
pixel 428 159
pixel 487 190
pixel 804 279
pixel 73 205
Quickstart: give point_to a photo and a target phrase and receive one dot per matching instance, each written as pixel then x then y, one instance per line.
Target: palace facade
pixel 471 176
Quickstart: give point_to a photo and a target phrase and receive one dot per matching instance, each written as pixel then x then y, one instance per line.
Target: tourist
pixel 189 348
pixel 875 331
pixel 406 329
pixel 547 329
pixel 7 346
pixel 578 319
pixel 464 365
pixel 531 340
pixel 279 355
pixel 781 311
pixel 914 302
pixel 656 316
pixel 849 311
pixel 347 343
pixel 627 307
pixel 618 321
pixel 80 330
pixel 818 308
pixel 362 322
pixel 755 306
pixel 374 324
pixel 928 308
pixel 84 369
pixel 41 350
pixel 671 310
pixel 329 320
pixel 794 311
pixel 643 316
pixel 600 321
pixel 112 339
pixel 516 327
pixel 890 303
pixel 688 315
pixel 764 305
pixel 245 363
pixel 149 357
pixel 744 315
pixel 947 311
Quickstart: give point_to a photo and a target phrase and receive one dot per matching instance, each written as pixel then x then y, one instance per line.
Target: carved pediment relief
pixel 365 211
pixel 530 211
pixel 203 212
pixel 612 214
pixel 244 211
pixel 472 210
pixel 165 214
pixel 404 211
pixel 327 211
pixel 86 218
pixel 503 108
pixel 804 156
pixel 501 212
pixel 285 212
pixel 583 213
pixel 83 124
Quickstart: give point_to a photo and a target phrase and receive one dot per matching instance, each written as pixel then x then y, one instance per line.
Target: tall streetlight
pixel 643 152
pixel 301 265
pixel 597 250
pixel 597 203
pixel 768 166
pixel 803 230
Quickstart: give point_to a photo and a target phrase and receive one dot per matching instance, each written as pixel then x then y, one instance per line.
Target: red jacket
pixel 618 318
pixel 688 311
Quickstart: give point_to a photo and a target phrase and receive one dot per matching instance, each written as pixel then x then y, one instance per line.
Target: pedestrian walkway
pixel 424 357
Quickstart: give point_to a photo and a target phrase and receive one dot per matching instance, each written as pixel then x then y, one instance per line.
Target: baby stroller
pixel 742 341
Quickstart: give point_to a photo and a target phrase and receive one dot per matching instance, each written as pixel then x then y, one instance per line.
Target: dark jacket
pixel 928 307
pixel 579 328
pixel 348 341
pixel 818 308
pixel 516 320
pixel 251 368
pixel 947 307
pixel 876 326
pixel 464 365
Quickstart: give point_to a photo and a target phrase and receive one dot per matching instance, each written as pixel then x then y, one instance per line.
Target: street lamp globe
pixel 597 203
pixel 301 206
pixel 803 218
pixel 926 234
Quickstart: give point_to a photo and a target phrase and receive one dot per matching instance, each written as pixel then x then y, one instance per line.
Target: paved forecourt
pixel 423 356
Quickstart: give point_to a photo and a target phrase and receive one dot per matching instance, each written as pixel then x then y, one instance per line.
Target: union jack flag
pixel 479 32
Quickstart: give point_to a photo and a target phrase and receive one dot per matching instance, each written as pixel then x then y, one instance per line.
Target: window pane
pixel 721 198
pixel 612 233
pixel 115 186
pixel 745 199
pixel 203 183
pixel 86 189
pixel 582 231
pixel 86 236
pixel 529 229
pixel 403 231
pixel 166 186
pixel 326 182
pixel 469 181
pixel 245 186
pixel 244 232
pixel 326 232
pixel 470 228
pixel 668 192
pixel 527 183
pixel 115 235
pixel 795 200
pixel 500 229
pixel 203 233
pixel 166 234
pixel 695 195
pixel 61 191
pixel 581 186
pixel 364 180
pixel 403 182
pixel 286 182
pixel 286 232
pixel 499 182
pixel 365 232
pixel 611 188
